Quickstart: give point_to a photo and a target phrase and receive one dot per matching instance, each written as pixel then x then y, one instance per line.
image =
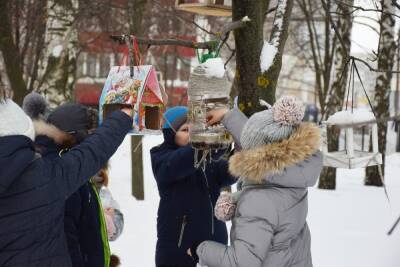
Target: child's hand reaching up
pixel 215 116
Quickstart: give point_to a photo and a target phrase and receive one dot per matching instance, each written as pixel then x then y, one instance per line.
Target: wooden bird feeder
pixel 350 158
pixel 217 8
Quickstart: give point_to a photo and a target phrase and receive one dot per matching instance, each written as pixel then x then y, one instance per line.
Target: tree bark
pixel 58 64
pixel 12 60
pixel 269 79
pixel 386 55
pixel 336 97
pixel 249 42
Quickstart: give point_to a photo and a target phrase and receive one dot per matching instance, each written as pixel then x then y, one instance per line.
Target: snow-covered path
pixel 348 225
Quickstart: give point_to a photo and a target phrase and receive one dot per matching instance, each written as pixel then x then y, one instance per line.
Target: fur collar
pixel 256 164
pixel 59 137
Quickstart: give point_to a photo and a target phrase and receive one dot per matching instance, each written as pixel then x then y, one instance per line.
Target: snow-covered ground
pixel 348 225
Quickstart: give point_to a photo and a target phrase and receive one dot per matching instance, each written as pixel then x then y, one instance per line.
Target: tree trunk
pixel 58 65
pixel 253 82
pixel 249 41
pixel 12 60
pixel 386 55
pixel 269 79
pixel 336 97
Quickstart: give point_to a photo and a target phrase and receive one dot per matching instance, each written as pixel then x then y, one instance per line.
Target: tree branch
pixel 394 2
pixel 370 67
pixel 360 8
pixel 185 43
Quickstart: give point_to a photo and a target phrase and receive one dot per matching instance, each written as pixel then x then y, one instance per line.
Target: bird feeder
pixel 350 157
pixel 350 120
pixel 218 8
pixel 208 89
pixel 143 92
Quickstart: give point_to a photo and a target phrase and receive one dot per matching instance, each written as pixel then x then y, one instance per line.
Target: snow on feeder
pixel 142 91
pixel 219 8
pixel 351 120
pixel 350 157
pixel 208 89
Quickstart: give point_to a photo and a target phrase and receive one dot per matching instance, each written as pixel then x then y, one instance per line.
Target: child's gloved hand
pixel 225 207
pixel 192 252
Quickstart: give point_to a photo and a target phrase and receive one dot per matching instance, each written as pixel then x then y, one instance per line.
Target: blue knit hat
pixel 175 117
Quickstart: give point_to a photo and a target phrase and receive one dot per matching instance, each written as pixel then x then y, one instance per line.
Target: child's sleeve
pixel 234 122
pixel 76 166
pixel 174 165
pixel 254 232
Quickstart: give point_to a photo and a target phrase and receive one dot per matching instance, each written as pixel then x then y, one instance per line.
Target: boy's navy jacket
pixel 33 191
pixel 82 217
pixel 187 199
pixel 81 222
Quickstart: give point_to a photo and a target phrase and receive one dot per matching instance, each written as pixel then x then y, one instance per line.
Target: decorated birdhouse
pixel 219 8
pixel 142 92
pixel 353 155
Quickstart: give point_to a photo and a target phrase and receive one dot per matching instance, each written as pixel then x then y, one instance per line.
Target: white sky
pixel 365 39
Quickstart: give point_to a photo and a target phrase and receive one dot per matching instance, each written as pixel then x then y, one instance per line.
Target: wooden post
pixel 375 146
pixel 350 142
pixel 137 167
pixel 324 138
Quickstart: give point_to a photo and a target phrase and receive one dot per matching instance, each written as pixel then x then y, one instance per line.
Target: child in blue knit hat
pixel 187 195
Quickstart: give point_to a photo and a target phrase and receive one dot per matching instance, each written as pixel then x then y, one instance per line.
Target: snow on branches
pixel 271 48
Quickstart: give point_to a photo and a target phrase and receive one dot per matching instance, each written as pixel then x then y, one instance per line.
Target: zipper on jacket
pixel 211 204
pixel 183 225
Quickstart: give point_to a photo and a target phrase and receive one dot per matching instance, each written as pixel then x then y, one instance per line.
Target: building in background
pixel 99 53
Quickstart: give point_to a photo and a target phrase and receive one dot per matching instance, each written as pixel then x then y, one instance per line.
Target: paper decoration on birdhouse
pixel 142 92
pixel 218 8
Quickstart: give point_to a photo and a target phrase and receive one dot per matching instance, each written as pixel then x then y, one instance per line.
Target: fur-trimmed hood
pixel 59 137
pixel 256 165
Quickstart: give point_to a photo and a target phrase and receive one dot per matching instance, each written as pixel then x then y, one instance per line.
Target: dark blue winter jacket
pixel 33 191
pixel 82 217
pixel 83 228
pixel 187 200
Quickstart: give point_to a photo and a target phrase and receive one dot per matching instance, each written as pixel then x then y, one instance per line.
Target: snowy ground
pixel 348 225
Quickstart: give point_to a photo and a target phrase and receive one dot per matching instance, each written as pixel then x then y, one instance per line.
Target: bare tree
pixel 335 98
pixel 386 56
pixel 21 41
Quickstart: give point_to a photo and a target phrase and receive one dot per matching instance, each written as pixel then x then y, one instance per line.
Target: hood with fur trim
pixel 59 137
pixel 256 165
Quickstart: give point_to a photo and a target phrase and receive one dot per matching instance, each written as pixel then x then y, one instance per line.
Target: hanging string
pixel 363 87
pixel 348 86
pixel 352 90
pixel 344 70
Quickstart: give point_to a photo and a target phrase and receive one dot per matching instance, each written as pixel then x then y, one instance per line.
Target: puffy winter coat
pixel 187 198
pixel 33 191
pixel 269 228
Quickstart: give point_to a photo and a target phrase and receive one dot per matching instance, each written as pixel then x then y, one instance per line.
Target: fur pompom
pixel 288 111
pixel 225 207
pixel 34 105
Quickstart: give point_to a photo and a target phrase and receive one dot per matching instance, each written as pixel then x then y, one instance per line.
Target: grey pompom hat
pixel 273 125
